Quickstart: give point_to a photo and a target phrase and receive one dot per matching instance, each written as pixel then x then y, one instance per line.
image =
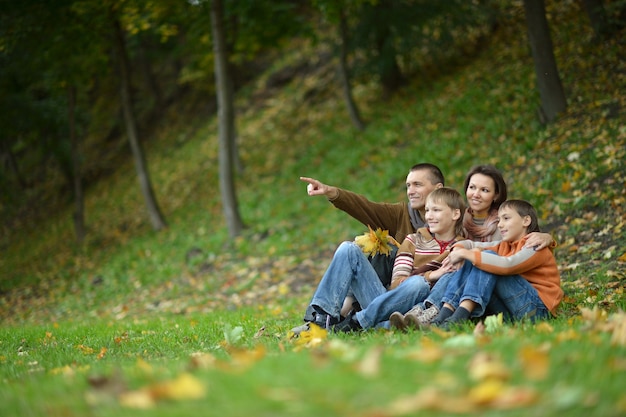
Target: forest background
pixel 129 207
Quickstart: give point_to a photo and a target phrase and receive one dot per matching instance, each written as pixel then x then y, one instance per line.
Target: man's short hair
pixel 434 173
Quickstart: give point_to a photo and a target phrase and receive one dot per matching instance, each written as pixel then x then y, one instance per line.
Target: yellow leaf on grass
pixel 309 338
pixel 619 329
pixel 370 365
pixel 85 349
pixel 246 357
pixel 486 392
pixel 484 366
pixel 515 397
pixel 593 316
pixel 428 352
pixel 184 387
pixel 141 400
pixel 431 399
pixel 535 361
pixel 103 352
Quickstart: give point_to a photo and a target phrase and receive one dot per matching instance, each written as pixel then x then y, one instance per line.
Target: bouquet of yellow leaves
pixel 375 242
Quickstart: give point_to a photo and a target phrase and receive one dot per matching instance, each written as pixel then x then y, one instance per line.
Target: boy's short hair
pixel 451 198
pixel 434 173
pixel 524 208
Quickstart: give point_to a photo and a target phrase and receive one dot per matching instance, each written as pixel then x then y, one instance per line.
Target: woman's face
pixel 481 193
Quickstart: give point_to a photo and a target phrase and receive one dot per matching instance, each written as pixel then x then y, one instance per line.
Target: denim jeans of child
pixel 517 299
pixel 438 291
pixel 402 298
pixel 470 283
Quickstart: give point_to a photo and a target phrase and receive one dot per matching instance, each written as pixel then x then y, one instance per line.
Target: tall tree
pixel 553 99
pixel 156 218
pixel 79 204
pixel 337 14
pixel 344 77
pixel 226 121
pixel 597 16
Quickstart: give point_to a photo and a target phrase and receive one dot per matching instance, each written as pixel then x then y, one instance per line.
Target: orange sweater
pixel 537 267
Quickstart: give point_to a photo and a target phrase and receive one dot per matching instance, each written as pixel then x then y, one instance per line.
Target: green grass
pixel 568 367
pixel 156 306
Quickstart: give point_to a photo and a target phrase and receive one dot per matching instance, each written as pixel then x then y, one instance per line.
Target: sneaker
pixel 347 325
pixel 422 320
pixel 295 332
pixel 396 320
pixel 325 321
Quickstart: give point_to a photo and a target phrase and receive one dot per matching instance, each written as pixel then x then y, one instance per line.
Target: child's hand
pixel 446 266
pixel 538 241
pixel 458 255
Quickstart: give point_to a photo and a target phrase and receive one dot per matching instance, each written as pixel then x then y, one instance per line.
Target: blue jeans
pixel 438 291
pixel 470 283
pixel 350 272
pixel 517 299
pixel 402 298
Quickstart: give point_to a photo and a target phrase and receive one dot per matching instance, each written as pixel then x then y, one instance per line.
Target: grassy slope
pixel 481 112
pixel 87 330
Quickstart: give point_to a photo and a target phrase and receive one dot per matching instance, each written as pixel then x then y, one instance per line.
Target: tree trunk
pixel 79 202
pixel 597 17
pixel 391 77
pixel 344 78
pixel 553 99
pixel 149 77
pixel 226 122
pixel 6 154
pixel 158 222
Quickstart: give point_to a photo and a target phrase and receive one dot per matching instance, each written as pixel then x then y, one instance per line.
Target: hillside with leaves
pixel 188 321
pixel 479 108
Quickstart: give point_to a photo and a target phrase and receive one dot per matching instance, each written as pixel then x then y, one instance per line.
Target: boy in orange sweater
pixel 508 278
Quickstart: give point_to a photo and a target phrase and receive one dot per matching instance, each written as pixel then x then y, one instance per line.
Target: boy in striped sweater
pixel 503 277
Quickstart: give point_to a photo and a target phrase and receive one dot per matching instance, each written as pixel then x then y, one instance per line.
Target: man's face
pixel 418 186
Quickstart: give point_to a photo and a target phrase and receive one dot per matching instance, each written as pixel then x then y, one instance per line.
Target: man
pixel 400 219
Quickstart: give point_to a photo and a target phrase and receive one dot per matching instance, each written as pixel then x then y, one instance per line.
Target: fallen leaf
pixel 494 322
pixel 431 399
pixel 484 366
pixel 535 361
pixel 309 338
pixel 140 399
pixel 259 332
pixel 202 360
pixel 619 330
pixel 486 392
pixel 184 387
pixel 515 397
pixel 370 365
pixel 247 357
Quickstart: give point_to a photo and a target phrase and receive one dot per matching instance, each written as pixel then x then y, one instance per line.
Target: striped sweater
pixel 419 254
pixel 539 268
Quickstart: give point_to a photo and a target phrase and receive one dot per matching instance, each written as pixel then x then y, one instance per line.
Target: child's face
pixel 512 226
pixel 440 217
